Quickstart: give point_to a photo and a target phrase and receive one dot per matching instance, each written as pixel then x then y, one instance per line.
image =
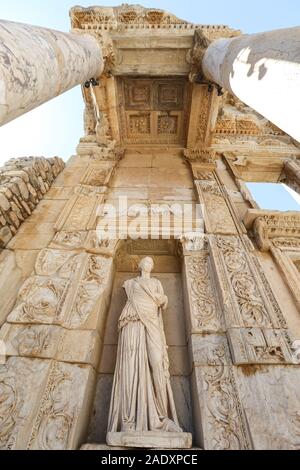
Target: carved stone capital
pixel 192 242
pixel 195 56
pixel 200 155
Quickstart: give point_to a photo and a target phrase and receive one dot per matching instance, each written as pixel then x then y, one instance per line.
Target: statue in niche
pixel 142 399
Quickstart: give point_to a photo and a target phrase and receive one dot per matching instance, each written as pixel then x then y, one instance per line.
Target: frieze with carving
pixel 40 300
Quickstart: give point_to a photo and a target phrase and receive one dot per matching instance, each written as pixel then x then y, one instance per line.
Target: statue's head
pixel 146 265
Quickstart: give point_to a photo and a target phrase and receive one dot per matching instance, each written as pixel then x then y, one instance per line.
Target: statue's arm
pixel 164 298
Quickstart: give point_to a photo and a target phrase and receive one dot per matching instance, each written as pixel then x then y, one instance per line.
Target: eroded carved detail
pixel 54 421
pixel 229 430
pixel 251 306
pixel 259 346
pixel 273 225
pixel 205 310
pixel 40 300
pixel 217 216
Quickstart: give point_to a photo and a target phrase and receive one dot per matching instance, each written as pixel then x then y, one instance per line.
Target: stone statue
pixel 142 399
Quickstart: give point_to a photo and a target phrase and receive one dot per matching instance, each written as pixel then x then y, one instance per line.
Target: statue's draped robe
pixel 142 398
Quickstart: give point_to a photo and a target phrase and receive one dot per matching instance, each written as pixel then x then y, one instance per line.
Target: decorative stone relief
pixel 61 406
pixel 287 243
pixel 127 15
pixel 203 117
pixel 250 304
pixel 238 119
pixel 196 55
pixel 78 213
pixel 200 155
pixel 96 114
pixel 98 246
pixel 69 240
pixel 269 225
pixel 96 176
pixel 64 264
pixel 167 124
pixel 203 303
pixel 259 346
pixel 20 383
pixel 192 242
pixel 51 342
pixel 206 349
pixel 223 422
pixel 280 321
pixel 153 110
pixel 59 301
pixel 90 288
pixel 140 124
pixel 217 216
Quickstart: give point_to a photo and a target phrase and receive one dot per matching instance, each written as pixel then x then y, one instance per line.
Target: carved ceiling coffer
pixel 153 110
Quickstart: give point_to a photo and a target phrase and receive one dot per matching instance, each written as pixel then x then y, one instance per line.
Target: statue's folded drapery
pixel 142 398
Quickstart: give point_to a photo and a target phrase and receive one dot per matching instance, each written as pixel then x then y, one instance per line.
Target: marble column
pixel 37 64
pixel 263 71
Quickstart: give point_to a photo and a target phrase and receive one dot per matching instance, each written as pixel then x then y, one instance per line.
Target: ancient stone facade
pixel 158 133
pixel 23 183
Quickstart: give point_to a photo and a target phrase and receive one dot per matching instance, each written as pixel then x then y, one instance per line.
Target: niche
pixel 168 270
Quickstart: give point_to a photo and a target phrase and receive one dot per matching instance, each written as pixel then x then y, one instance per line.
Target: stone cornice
pixel 270 225
pixel 137 17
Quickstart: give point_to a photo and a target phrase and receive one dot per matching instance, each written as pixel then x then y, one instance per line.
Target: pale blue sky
pixel 55 127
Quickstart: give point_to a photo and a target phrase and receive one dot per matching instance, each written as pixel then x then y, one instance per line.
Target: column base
pixel 150 440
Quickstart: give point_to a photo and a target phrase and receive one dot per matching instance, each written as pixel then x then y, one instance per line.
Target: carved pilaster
pixel 204 312
pixel 203 116
pixel 250 305
pixel 216 397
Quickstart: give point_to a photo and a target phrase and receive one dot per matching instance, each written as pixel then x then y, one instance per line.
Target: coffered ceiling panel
pixel 153 110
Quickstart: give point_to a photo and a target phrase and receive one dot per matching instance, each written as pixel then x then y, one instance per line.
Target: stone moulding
pixel 23 183
pixel 136 16
pixel 271 225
